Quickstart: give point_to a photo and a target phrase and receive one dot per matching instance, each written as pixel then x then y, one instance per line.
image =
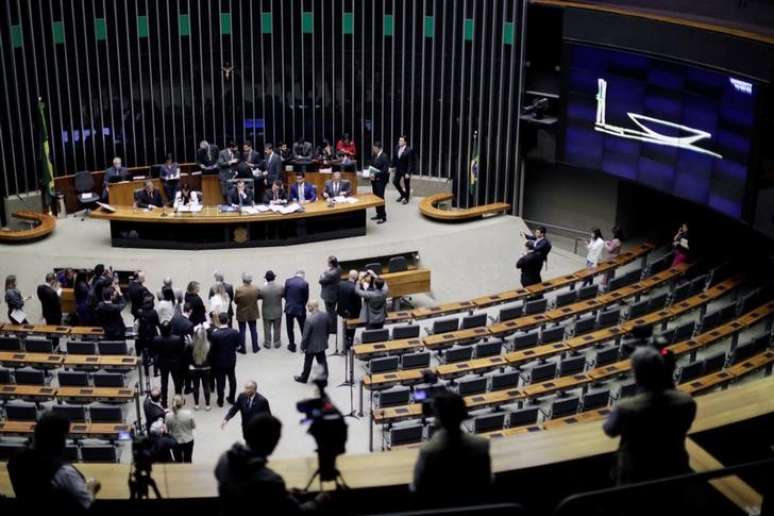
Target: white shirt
pixel 179 199
pixel 166 310
pixel 219 304
pixel 594 254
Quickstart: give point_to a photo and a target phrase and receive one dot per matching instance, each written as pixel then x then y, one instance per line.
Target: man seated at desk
pixel 186 197
pixel 337 187
pixel 114 174
pixel 302 191
pixel 149 197
pixel 240 195
pixel 276 195
pixel 227 161
pixel 303 150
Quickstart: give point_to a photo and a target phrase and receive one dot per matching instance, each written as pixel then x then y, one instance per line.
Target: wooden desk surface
pixel 117 393
pixel 19 357
pixel 43 329
pixel 503 297
pixel 503 329
pixel 557 384
pixel 82 331
pixel 381 380
pixel 113 361
pixel 445 340
pixel 76 429
pixel 522 452
pixel 44 224
pixel 478 365
pixel 521 356
pixel 444 309
pixel 595 337
pixel 210 215
pixel 366 351
pixel 27 391
pixel 392 318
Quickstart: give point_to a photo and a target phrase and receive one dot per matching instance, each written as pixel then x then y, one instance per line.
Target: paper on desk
pixel 249 210
pixel 343 199
pixel 195 208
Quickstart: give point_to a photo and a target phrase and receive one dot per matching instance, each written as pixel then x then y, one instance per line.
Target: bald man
pixel 249 404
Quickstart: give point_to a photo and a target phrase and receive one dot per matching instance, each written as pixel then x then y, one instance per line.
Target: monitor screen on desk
pixel 678 128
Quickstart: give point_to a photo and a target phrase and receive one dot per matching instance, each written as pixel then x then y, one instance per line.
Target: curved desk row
pixel 530 450
pixel 209 229
pixel 429 208
pixel 44 225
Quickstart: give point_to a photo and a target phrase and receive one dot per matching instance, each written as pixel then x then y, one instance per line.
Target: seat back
pixel 681 292
pixel 523 416
pixel 101 413
pixel 83 181
pixel 489 422
pixel 566 298
pixel 10 449
pixel 369 336
pixel 38 345
pixel 542 372
pixel 564 406
pixel 658 302
pixel 473 321
pixel 639 308
pixel 21 411
pixel 690 371
pixel 506 314
pixel 10 343
pixel 596 399
pixel 397 264
pixel 418 360
pixel 113 347
pixel 406 434
pixel 617 282
pixel 102 379
pixel 383 365
pixel 489 349
pixel 627 389
pixel 375 267
pixel 537 306
pixel 572 365
pixel 468 386
pixel 555 334
pixel 684 331
pixel 607 355
pixel 398 395
pixel 584 324
pixel 608 317
pixel 81 347
pixel 458 354
pixel 588 292
pixel 446 325
pixel 698 284
pixel 29 376
pixel 72 379
pixel 5 376
pixel 526 340
pixel 633 276
pixel 410 331
pixel 661 264
pixel 505 380
pixel 714 363
pixel 99 453
pixel 74 413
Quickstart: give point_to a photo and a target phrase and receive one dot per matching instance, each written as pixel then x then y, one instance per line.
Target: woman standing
pixel 198 311
pixel 14 300
pixel 219 301
pixel 199 366
pixel 81 293
pixel 612 250
pixel 180 425
pixel 167 307
pixel 681 245
pixel 595 246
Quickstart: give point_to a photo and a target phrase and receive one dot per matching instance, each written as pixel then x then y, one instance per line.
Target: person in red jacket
pixel 346 146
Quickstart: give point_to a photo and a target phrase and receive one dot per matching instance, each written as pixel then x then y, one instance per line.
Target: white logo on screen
pixel 646 134
pixel 743 86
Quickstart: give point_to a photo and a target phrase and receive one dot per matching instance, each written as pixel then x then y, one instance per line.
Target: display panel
pixel 677 128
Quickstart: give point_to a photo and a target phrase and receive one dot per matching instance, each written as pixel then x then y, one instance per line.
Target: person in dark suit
pixel 530 263
pixel 114 174
pixel 379 179
pixel 272 165
pixel 181 324
pixel 207 157
pixel 404 162
pixel 148 198
pixel 224 342
pixel 336 187
pixel 240 195
pixel 229 288
pixel 296 297
pixel 170 353
pixel 303 150
pixel 51 305
pixel 250 156
pixel 539 242
pixel 194 300
pixel 314 341
pixel 109 313
pixel 249 404
pixel 374 291
pixel 227 161
pixel 137 292
pixel 329 290
pixel 276 195
pixel 349 305
pixel 169 174
pixel 302 191
pixel 453 467
pixel 152 408
pixel 652 424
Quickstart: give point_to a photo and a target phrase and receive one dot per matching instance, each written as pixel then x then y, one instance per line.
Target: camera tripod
pixel 349 372
pixel 337 478
pixel 140 481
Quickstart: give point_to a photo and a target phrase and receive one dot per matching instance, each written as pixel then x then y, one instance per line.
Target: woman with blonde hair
pixel 180 425
pixel 199 366
pixel 219 301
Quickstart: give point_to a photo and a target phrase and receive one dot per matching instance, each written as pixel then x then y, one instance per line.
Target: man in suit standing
pixel 227 160
pixel 272 165
pixel 404 163
pixel 247 311
pixel 337 187
pixel 249 404
pixel 207 157
pixel 148 198
pixel 276 195
pixel 224 342
pixel 302 191
pixel 652 424
pixel 303 150
pixel 329 290
pixel 314 341
pixel 296 297
pixel 271 293
pixel 229 290
pixel 169 350
pixel 539 242
pixel 51 305
pixel 453 467
pixel 375 298
pixel 181 324
pixel 349 305
pixel 379 179
pixel 530 263
pixel 117 172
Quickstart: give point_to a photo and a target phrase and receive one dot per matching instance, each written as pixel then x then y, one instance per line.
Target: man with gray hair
pixel 314 341
pixel 247 311
pixel 249 404
pixel 652 424
pixel 229 290
pixel 148 198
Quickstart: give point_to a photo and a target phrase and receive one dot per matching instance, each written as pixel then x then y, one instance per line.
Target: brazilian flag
pixel 44 157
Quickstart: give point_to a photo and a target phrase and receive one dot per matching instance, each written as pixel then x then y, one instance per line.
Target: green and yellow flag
pixel 46 167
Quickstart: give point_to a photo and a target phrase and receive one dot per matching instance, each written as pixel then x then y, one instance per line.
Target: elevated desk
pixel 210 229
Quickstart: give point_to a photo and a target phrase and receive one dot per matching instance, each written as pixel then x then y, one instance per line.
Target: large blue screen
pixel 677 128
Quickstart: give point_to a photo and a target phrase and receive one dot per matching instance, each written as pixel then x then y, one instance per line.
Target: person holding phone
pixel 595 246
pixel 681 245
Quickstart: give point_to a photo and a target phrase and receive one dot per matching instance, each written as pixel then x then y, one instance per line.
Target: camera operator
pixel 42 480
pixel 244 480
